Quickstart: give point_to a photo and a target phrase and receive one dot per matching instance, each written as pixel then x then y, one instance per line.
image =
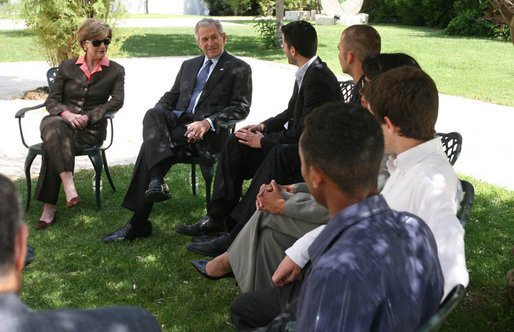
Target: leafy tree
pixel 55 22
pixel 502 12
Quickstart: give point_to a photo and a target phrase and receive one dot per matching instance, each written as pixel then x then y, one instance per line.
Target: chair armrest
pixel 228 124
pixel 21 113
pixel 110 114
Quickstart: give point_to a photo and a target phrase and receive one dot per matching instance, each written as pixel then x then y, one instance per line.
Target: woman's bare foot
pixel 219 266
pixel 49 211
pixel 68 185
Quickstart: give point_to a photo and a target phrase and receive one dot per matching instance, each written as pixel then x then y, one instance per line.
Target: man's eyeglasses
pixel 97 43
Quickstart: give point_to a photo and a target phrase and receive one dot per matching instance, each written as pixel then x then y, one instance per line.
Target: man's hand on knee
pixel 286 272
pixel 250 138
pixel 196 130
pixel 253 128
pixel 272 200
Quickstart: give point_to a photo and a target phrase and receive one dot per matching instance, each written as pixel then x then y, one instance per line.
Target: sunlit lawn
pixel 74 268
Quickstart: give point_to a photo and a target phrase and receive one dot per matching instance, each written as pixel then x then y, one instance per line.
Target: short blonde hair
pixel 91 29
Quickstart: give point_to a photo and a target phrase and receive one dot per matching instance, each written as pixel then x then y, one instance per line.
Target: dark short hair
pixel 10 221
pixel 362 40
pixel 301 35
pixel 346 142
pixel 408 97
pixel 375 64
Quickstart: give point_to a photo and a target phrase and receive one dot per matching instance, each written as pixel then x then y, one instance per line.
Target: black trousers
pixel 164 144
pixel 60 144
pixel 267 309
pixel 239 162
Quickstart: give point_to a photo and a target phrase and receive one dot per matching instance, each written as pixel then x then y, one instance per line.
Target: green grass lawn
pixel 74 268
pixel 475 68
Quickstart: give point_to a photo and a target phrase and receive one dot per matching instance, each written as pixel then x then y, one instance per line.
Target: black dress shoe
pixel 204 226
pixel 157 191
pixel 128 232
pixel 31 255
pixel 200 267
pixel 211 248
pixel 205 238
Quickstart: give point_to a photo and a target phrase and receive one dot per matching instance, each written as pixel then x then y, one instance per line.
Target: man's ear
pixel 391 126
pixel 317 176
pixel 293 50
pixel 350 57
pixel 20 247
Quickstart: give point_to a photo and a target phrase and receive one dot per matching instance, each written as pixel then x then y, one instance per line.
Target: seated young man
pixel 16 316
pixel 372 267
pixel 422 182
pixel 285 213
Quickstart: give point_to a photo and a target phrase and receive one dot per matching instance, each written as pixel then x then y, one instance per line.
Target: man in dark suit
pixel 208 90
pixel 16 316
pixel 268 150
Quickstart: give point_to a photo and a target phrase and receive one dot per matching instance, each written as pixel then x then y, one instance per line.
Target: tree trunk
pixel 279 8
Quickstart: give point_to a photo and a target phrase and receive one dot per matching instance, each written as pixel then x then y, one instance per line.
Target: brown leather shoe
pixel 74 201
pixel 43 224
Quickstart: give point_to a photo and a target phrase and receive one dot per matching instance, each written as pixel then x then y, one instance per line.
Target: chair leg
pixel 28 163
pixel 106 167
pixel 208 174
pixel 193 178
pixel 96 160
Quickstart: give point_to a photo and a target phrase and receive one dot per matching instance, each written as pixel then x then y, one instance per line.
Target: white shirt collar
pixel 413 156
pixel 300 73
pixel 214 60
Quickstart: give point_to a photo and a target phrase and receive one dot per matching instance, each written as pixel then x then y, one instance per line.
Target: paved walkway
pixel 487 152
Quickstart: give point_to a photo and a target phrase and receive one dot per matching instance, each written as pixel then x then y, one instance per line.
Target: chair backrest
pixel 452 144
pixel 467 202
pixel 449 303
pixel 50 76
pixel 346 89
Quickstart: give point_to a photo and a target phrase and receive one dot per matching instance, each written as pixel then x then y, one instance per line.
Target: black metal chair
pixel 447 306
pixel 207 165
pixel 466 204
pixel 452 144
pixel 95 153
pixel 346 89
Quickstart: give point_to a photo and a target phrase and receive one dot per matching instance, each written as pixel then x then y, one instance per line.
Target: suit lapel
pixel 315 63
pixel 191 79
pixel 215 76
pixel 99 74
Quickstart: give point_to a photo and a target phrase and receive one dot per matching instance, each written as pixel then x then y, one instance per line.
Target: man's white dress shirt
pixel 421 182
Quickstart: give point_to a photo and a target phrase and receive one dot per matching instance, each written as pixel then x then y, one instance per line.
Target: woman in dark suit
pixel 84 90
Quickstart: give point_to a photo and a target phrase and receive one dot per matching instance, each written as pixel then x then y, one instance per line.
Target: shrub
pixel 470 21
pixel 467 23
pixel 267 30
pixel 435 13
pixel 55 22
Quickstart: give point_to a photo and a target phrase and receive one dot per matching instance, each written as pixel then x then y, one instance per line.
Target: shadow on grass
pixel 489 239
pixel 434 33
pixel 182 44
pixel 74 268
